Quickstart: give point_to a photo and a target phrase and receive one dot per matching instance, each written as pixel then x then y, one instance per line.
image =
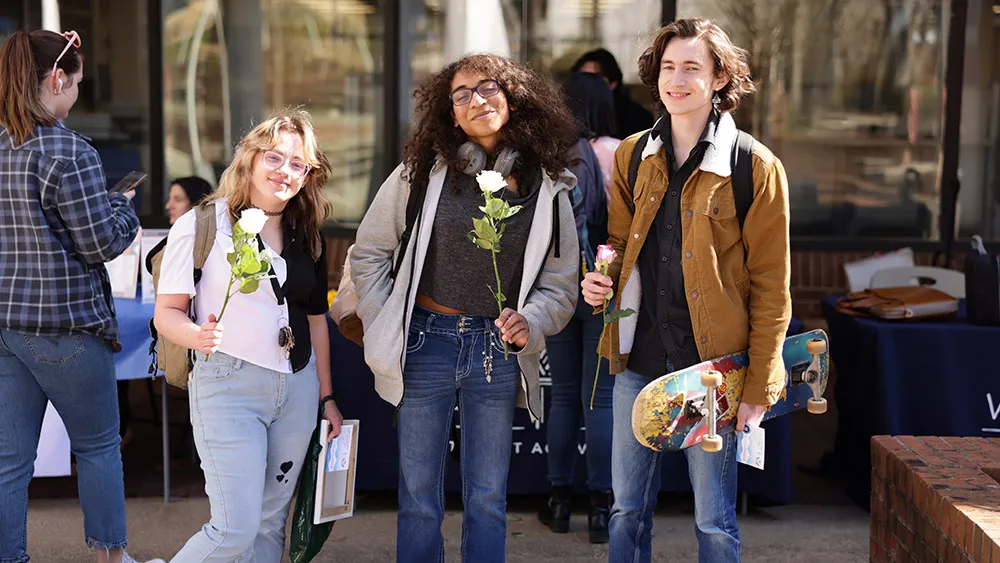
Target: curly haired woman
pixel 433 336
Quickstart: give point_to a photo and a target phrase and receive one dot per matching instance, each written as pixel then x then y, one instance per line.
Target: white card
pixel 750 447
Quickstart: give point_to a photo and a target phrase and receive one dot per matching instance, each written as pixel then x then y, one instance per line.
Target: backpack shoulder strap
pixel 204 234
pixel 636 160
pixel 743 175
pixel 414 202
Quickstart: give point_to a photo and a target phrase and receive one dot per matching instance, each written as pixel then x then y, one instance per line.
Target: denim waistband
pixel 431 321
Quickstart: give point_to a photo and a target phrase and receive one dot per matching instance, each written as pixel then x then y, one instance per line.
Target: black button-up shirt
pixel 305 289
pixel 663 328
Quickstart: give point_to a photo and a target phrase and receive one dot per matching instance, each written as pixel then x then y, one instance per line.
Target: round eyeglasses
pixel 275 160
pixel 486 89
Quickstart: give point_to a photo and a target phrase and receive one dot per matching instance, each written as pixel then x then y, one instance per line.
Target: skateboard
pixel 671 412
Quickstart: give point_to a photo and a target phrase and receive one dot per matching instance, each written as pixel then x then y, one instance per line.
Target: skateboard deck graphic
pixel 671 413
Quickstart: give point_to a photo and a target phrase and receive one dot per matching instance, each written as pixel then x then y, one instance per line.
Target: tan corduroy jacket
pixel 734 305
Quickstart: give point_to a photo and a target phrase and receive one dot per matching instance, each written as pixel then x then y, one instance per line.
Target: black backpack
pixel 742 175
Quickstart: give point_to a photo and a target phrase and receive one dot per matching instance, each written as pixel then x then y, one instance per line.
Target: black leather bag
pixel 982 284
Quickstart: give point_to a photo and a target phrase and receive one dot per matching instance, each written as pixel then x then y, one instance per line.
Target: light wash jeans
pixel 444 359
pixel 76 372
pixel 252 427
pixel 635 476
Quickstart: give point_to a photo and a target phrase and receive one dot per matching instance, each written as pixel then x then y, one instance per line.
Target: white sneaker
pixel 126 558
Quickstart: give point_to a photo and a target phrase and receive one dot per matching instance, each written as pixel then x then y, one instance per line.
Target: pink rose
pixel 606 253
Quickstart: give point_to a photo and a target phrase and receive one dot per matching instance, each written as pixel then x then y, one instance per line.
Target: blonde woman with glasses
pixel 58 332
pixel 254 400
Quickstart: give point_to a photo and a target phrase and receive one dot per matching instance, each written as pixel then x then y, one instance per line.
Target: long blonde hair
pixel 309 208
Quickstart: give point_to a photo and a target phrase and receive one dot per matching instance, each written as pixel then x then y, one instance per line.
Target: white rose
pixel 252 221
pixel 490 181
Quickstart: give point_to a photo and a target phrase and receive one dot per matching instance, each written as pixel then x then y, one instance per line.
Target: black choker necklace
pixel 267 213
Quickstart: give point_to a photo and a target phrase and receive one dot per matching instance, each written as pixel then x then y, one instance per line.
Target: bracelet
pixel 330 397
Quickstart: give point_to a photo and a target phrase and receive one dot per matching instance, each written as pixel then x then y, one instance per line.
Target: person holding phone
pixel 58 227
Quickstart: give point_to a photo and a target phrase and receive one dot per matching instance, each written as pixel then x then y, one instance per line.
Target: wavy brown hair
pixel 26 59
pixel 309 208
pixel 541 127
pixel 730 61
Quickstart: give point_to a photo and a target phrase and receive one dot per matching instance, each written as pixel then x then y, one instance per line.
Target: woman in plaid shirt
pixel 58 226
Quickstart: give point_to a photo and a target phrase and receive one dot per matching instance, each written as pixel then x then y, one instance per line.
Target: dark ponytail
pixel 26 59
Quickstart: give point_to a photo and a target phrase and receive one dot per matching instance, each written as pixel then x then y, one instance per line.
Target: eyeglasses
pixel 486 89
pixel 73 40
pixel 275 160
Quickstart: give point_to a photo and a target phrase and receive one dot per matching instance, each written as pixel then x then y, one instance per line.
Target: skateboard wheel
pixel 816 346
pixel 711 378
pixel 711 444
pixel 816 406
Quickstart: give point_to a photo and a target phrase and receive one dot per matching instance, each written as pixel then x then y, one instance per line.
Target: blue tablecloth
pixel 133 324
pixel 932 378
pixel 378 450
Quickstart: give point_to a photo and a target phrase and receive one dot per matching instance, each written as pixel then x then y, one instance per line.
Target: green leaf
pixel 511 211
pixel 618 315
pixel 501 297
pixel 503 227
pixel 494 207
pixel 238 231
pixel 249 286
pixel 231 257
pixel 472 236
pixel 484 244
pixel 246 255
pixel 484 229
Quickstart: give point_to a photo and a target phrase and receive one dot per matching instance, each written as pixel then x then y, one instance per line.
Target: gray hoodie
pixel 547 298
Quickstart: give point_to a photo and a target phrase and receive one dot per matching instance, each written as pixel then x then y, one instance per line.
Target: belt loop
pixel 428 322
pixel 238 364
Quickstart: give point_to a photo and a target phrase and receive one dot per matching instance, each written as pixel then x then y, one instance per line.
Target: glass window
pixel 979 149
pixel 850 99
pixel 228 65
pixel 562 31
pixel 113 104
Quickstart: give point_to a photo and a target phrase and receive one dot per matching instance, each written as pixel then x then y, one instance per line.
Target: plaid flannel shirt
pixel 58 226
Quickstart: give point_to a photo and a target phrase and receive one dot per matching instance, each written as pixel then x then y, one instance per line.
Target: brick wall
pixel 814 274
pixel 935 499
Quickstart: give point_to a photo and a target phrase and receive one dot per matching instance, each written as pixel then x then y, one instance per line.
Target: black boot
pixel 600 515
pixel 555 513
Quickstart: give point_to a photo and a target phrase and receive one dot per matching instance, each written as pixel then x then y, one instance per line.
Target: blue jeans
pixel 76 372
pixel 252 427
pixel 445 357
pixel 635 473
pixel 573 360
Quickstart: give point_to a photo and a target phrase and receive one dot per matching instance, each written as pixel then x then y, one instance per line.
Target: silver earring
pixel 716 100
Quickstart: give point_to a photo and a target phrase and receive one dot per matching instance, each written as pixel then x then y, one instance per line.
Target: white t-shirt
pixel 251 321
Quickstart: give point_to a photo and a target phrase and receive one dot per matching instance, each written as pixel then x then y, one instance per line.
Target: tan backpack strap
pixel 204 233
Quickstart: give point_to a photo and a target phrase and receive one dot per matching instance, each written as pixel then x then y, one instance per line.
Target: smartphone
pixel 129 182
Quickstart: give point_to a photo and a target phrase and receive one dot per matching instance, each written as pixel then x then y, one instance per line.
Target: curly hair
pixel 309 208
pixel 731 62
pixel 541 127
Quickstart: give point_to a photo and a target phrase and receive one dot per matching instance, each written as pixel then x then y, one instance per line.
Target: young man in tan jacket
pixel 702 284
